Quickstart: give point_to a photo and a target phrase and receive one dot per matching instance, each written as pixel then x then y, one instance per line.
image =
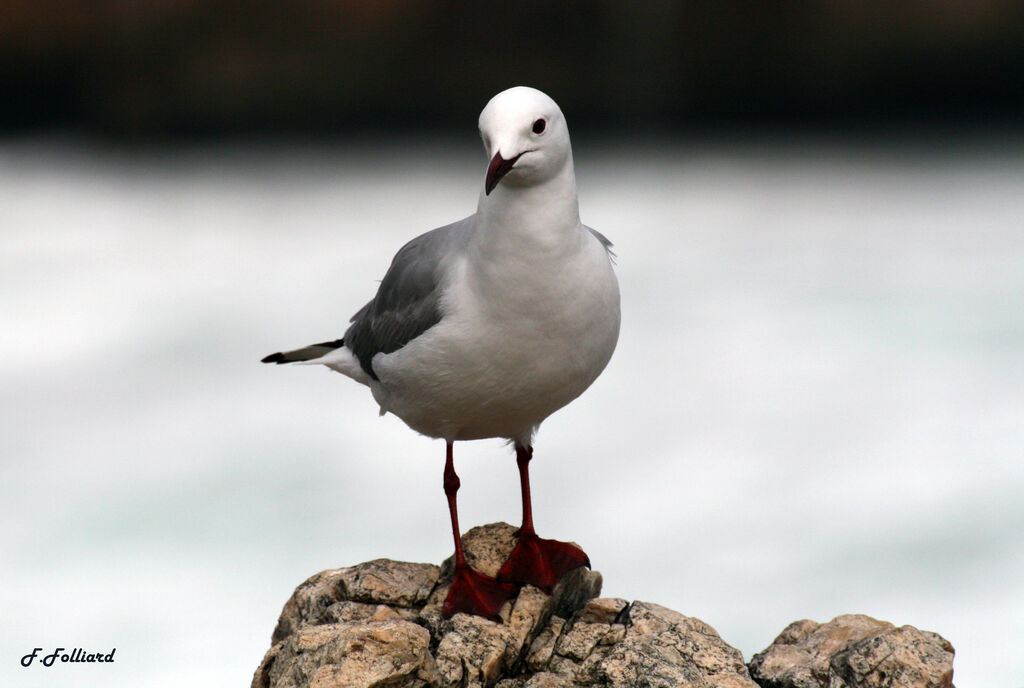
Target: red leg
pixel 523 457
pixel 537 561
pixel 471 591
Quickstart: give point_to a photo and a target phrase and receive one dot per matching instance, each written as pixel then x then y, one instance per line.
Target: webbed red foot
pixel 541 562
pixel 474 593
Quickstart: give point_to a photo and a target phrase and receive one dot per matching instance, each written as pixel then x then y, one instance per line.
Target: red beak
pixel 498 168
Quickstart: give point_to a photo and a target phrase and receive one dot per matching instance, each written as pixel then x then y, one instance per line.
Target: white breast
pixel 521 337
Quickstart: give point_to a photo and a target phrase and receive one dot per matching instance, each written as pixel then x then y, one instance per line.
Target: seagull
pixel 485 327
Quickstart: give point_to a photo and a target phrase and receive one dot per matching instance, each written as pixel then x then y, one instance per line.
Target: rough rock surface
pixel 854 651
pixel 379 624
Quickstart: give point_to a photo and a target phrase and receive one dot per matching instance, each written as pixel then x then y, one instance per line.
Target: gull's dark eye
pixel 538 126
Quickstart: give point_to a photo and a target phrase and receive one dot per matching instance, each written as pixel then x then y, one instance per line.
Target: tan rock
pixel 544 679
pixel 471 651
pixel 487 548
pixel 578 642
pixel 855 651
pixel 382 581
pixel 524 622
pixel 603 610
pixel 662 647
pixel 615 634
pixel 353 655
pixel 380 624
pixel 547 680
pixel 362 611
pixel 563 666
pixel 543 646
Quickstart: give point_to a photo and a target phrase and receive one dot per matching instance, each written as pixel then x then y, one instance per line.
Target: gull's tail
pixel 306 353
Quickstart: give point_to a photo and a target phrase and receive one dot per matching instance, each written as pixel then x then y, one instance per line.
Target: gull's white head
pixel 525 138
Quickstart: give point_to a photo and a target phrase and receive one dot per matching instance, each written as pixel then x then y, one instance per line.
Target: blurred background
pixel 816 406
pixel 166 68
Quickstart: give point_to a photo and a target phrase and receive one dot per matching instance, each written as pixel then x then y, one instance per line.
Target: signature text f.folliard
pixel 60 654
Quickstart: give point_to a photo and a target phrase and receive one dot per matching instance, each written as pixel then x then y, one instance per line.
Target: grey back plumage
pixel 407 303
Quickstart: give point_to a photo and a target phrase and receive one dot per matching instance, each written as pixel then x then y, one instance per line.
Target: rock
pixel 380 624
pixel 543 646
pixel 854 651
pixel 352 654
pixel 662 647
pixel 607 610
pixel 358 592
pixel 471 651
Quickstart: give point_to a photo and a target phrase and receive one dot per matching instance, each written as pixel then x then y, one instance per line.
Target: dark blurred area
pixel 157 68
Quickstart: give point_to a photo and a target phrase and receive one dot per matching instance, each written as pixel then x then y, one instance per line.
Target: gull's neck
pixel 545 214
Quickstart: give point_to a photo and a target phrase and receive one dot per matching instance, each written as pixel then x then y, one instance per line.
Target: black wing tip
pixel 336 344
pixel 304 354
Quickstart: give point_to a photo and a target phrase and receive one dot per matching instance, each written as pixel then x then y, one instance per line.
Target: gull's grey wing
pixel 407 303
pixel 605 241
